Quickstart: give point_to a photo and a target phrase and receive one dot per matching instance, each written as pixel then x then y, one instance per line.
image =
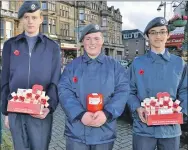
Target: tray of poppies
pixel 28 101
pixel 162 110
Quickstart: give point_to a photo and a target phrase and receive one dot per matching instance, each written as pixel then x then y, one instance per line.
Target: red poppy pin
pixel 75 79
pixel 16 52
pixel 141 72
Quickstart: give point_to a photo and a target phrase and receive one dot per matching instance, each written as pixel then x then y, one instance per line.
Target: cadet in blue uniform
pixel 92 72
pixel 156 71
pixel 30 58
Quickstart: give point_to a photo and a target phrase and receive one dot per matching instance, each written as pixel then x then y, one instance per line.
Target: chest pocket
pixel 19 57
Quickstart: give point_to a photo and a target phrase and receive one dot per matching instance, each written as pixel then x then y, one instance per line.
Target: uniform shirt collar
pixel 166 56
pixel 162 52
pixel 21 36
pixel 99 58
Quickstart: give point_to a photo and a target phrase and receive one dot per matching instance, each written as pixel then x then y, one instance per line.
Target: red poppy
pixel 75 79
pixel 16 52
pixel 21 98
pixel 175 105
pixel 15 97
pixel 43 101
pixel 29 95
pixel 37 96
pixel 141 72
pixel 153 103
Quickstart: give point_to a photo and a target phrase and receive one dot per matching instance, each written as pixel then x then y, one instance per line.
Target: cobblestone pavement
pixel 123 141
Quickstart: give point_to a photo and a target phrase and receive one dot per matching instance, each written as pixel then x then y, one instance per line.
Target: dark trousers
pixel 30 133
pixel 72 145
pixel 148 143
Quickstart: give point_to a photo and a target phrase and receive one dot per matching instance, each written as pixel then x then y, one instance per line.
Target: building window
pixel 81 15
pixel 51 6
pixel 87 15
pixel 49 26
pixel 44 6
pixel 2 28
pixel 137 52
pixel 9 29
pixel 53 26
pixel 119 55
pixel 45 25
pixel 65 29
pixel 104 22
pixel 136 35
pixel 12 5
pixel 118 39
pixel 5 5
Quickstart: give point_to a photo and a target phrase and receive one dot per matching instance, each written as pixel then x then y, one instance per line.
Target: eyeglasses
pixel 161 33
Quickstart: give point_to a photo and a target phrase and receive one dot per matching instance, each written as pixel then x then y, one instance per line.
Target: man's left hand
pixel 45 112
pixel 99 118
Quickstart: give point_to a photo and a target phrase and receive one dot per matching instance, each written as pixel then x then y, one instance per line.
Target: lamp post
pixel 77 37
pixel 164 4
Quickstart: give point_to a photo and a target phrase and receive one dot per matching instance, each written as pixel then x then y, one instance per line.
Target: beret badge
pixel 162 21
pixel 97 27
pixel 33 6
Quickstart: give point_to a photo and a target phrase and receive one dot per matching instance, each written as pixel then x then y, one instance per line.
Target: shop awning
pixel 68 46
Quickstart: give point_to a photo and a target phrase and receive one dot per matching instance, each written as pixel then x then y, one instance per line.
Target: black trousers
pixel 148 143
pixel 29 133
pixel 72 145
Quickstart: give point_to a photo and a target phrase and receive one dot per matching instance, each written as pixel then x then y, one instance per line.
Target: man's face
pixel 158 37
pixel 93 43
pixel 32 21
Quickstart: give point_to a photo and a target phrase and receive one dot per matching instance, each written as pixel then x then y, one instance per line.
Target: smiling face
pixel 32 22
pixel 93 43
pixel 158 36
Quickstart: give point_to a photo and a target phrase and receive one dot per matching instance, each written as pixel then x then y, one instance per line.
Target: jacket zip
pixel 30 65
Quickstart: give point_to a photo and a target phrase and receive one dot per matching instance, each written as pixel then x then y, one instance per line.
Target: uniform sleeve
pixel 52 91
pixel 71 106
pixel 133 101
pixel 5 91
pixel 116 103
pixel 182 93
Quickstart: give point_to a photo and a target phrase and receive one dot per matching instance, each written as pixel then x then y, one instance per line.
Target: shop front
pixel 69 52
pixel 175 42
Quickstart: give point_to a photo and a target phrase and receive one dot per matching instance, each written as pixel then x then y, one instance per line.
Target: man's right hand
pixel 6 122
pixel 142 113
pixel 87 118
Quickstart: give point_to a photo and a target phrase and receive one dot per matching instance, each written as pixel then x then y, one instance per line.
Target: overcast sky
pixel 136 15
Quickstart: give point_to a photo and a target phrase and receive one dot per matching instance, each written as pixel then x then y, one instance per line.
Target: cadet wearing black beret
pixel 28 6
pixel 90 28
pixel 156 22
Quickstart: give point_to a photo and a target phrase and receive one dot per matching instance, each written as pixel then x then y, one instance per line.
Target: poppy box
pixel 94 102
pixel 28 101
pixel 164 119
pixel 21 107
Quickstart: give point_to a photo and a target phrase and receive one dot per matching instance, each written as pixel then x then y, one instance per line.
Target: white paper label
pixel 94 101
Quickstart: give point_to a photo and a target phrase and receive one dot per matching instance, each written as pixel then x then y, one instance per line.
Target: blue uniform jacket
pixel 101 75
pixel 165 73
pixel 23 70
